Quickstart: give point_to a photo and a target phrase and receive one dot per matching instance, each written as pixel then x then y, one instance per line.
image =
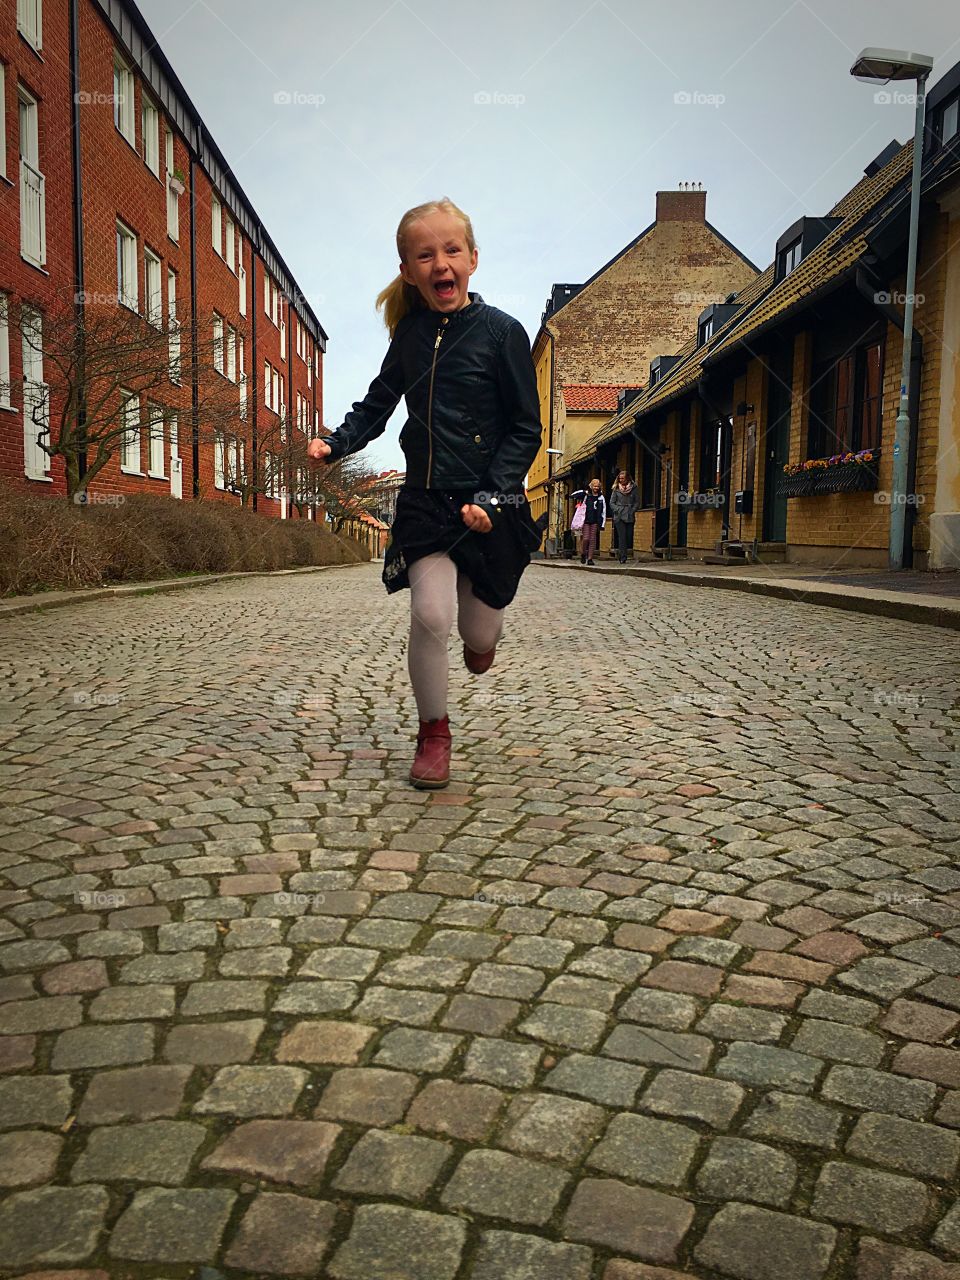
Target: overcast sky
pixel 586 108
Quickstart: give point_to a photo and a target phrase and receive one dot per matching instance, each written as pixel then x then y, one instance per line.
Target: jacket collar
pixel 453 317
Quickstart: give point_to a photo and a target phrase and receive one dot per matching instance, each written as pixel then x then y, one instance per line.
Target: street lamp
pixel 878 66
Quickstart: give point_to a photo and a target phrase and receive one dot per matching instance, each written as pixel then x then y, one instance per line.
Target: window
pixel 275 404
pixel 309 374
pixel 218 342
pixel 299 337
pixel 649 468
pixel 846 402
pixel 130 447
pixel 173 429
pixel 123 100
pixel 36 402
pixel 241 365
pixel 150 124
pixel 216 225
pixel 789 258
pixel 231 353
pixel 155 437
pixel 30 22
pixel 714 438
pixel 283 338
pixel 231 248
pixel 266 293
pixel 173 200
pixel 4 351
pixel 267 385
pixel 173 327
pixel 949 120
pixel 218 460
pixel 127 293
pixel 705 331
pixel 152 286
pixel 241 278
pixel 3 122
pixel 316 422
pixel 33 218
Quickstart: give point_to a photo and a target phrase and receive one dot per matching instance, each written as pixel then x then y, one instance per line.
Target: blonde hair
pixel 399 298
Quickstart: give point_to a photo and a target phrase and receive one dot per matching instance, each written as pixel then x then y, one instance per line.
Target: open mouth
pixel 445 289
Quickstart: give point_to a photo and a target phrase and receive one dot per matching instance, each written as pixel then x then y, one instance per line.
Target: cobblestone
pixel 684 1008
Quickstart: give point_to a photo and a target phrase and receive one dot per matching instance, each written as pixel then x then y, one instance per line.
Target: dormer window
pixel 713 318
pixel 660 366
pixel 704 331
pixel 949 121
pixel 799 240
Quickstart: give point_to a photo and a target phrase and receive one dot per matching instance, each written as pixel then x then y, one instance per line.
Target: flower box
pixel 176 184
pixel 859 475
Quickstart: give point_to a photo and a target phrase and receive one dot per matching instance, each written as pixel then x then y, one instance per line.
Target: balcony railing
pixel 33 237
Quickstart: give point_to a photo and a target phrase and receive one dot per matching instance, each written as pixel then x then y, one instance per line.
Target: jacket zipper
pixel 433 369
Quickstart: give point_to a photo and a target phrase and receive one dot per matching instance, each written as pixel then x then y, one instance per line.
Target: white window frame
pixel 277 392
pixel 267 384
pixel 309 374
pixel 155 441
pixel 153 288
pixel 218 342
pixel 241 279
pixel 150 129
pixel 5 402
pixel 266 294
pixel 216 225
pixel 130 439
pixel 33 200
pixel 230 243
pixel 124 100
pixel 242 370
pixel 218 458
pixel 274 304
pixel 173 328
pixel 3 120
pixel 127 285
pixel 173 200
pixel 283 337
pixel 30 22
pixel 316 422
pixel 231 353
pixel 36 397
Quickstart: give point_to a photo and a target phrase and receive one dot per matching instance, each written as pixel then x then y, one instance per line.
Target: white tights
pixel 436 589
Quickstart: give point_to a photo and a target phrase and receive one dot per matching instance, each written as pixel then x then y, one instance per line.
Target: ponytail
pixel 400 298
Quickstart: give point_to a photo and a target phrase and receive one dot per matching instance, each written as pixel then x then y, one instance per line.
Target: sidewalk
pixel 933 598
pixel 14 605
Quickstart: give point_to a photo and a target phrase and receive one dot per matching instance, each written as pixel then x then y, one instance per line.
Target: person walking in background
pixel 463 533
pixel 595 517
pixel 624 505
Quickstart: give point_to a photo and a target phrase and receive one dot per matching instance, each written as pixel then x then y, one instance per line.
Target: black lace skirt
pixel 429 521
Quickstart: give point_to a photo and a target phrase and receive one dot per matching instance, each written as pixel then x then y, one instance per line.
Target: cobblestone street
pixel 665 984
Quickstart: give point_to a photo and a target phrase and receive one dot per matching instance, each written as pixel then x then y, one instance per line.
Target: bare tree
pixel 102 361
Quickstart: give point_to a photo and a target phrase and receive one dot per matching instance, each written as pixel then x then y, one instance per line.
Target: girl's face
pixel 594 486
pixel 438 262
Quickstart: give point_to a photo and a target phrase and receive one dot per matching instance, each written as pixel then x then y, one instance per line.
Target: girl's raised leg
pixel 480 626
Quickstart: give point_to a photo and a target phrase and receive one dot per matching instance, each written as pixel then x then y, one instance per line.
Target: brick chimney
pixel 681 206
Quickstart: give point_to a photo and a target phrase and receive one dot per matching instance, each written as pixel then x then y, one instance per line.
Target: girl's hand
pixel 476 518
pixel 317 450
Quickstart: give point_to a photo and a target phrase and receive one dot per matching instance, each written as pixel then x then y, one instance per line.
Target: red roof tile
pixel 596 397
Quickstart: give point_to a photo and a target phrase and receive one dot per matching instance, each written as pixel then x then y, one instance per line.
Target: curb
pixel 55 599
pixel 883 604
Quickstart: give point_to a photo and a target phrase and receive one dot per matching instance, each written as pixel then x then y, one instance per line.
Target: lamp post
pixel 878 66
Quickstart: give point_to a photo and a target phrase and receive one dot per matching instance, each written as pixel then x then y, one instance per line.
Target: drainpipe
pixel 871 289
pixel 194 324
pixel 79 299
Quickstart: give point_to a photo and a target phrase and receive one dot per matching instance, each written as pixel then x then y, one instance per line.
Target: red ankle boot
pixel 478 663
pixel 431 764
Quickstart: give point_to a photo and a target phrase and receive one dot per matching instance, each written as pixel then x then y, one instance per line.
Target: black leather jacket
pixel 471 395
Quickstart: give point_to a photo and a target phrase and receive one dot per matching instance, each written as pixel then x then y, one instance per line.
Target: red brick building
pixel 118 209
